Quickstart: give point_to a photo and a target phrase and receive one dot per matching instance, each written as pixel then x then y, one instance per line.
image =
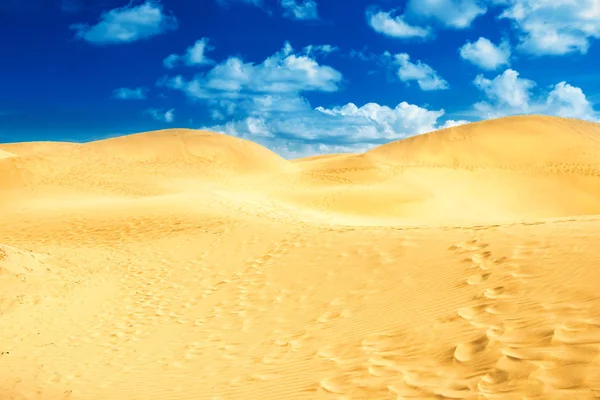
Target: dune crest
pixel 182 264
pixel 510 142
pixel 178 145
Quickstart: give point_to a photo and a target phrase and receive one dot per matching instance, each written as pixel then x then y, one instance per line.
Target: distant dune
pixel 167 154
pixel 501 169
pixel 494 170
pixel 506 142
pixel 183 264
pixel 177 145
pixel 29 148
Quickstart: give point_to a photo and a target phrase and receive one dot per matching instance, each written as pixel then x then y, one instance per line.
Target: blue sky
pixel 298 76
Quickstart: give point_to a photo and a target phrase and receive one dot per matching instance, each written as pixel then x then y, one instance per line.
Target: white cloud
pixel 302 130
pixel 373 122
pixel 194 55
pixel 508 94
pixel 161 115
pixel 569 101
pixel 555 27
pixel 383 22
pixel 300 9
pixel 486 54
pixel 283 72
pixel 264 102
pixel 127 24
pixel 290 126
pixel 457 14
pixel 420 17
pixel 138 93
pixel 427 78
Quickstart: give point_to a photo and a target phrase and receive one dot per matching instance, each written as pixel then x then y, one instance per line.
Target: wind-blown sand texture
pixel 180 264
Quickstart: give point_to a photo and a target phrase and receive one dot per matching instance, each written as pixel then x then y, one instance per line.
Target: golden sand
pixel 181 264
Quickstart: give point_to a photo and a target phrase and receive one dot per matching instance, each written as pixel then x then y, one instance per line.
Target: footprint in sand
pixel 471 313
pixel 382 367
pixel 337 384
pixel 577 334
pixel 497 293
pixel 468 246
pixel 483 261
pixel 476 279
pixel 465 352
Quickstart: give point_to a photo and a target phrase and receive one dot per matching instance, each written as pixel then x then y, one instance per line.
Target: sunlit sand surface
pixel 181 264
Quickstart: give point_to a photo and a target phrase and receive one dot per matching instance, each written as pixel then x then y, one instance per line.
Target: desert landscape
pixel 183 264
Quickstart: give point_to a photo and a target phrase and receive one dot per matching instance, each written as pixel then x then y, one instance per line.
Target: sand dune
pixel 162 162
pixel 496 171
pixel 181 264
pixel 178 145
pixel 6 154
pixel 512 142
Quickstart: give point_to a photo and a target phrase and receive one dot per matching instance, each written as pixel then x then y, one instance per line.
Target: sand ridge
pixel 183 264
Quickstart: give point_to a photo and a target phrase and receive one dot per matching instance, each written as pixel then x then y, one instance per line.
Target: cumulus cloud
pixel 283 72
pixel 303 130
pixel 506 93
pixel 395 26
pixel 554 27
pixel 300 9
pixel 427 78
pixel 194 55
pixel 569 101
pixel 452 14
pixel 456 14
pixel 509 94
pixel 161 115
pixel 374 122
pixel 265 102
pixel 127 24
pixel 485 54
pixel 137 93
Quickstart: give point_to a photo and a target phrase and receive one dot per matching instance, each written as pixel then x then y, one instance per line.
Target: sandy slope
pixel 188 265
pixel 6 154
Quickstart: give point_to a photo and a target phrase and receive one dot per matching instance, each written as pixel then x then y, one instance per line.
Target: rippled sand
pixel 180 264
